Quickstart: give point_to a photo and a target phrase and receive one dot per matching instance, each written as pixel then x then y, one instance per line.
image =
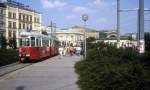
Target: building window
pixel 1 11
pixel 19 16
pixel 14 15
pixel 14 33
pixel 72 37
pixel 9 24
pixel 31 18
pixel 23 26
pixel 19 25
pixel 34 19
pixel 23 17
pixel 2 24
pixel 9 33
pixel 9 15
pixel 27 18
pixel 30 27
pixel 14 25
pixel 38 20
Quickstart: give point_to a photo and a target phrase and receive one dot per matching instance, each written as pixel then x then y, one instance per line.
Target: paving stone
pixel 52 74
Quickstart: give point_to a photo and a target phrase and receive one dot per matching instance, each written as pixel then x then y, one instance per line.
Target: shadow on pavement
pixel 20 88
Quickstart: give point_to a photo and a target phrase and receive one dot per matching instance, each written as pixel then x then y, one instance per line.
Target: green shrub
pixel 3 42
pixel 8 56
pixel 109 68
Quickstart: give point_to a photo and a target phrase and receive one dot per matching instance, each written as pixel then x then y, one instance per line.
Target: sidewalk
pixel 52 74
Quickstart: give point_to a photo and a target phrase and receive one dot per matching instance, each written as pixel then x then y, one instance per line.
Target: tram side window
pixel 38 42
pixel 33 41
pixel 57 43
pixel 49 43
pixel 45 43
pixel 24 42
pixel 52 42
pixel 20 42
pixel 27 42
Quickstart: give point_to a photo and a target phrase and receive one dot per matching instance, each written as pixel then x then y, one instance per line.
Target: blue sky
pixel 102 13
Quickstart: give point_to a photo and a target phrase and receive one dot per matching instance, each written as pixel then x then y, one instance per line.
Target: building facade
pixel 75 35
pixel 70 37
pixel 19 17
pixel 110 37
pixel 89 32
pixel 2 19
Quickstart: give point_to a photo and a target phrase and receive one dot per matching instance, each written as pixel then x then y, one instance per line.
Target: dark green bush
pixel 8 56
pixel 109 68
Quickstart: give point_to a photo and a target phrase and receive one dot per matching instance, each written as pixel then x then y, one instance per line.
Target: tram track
pixel 12 67
pixel 4 70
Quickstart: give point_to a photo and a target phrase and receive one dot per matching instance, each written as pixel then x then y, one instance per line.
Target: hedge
pixel 8 56
pixel 109 68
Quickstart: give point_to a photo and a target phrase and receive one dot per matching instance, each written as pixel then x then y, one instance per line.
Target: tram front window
pixel 24 42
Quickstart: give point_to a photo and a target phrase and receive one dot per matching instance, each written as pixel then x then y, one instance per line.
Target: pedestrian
pixel 78 51
pixel 61 51
pixel 64 51
pixel 71 51
pixel 67 51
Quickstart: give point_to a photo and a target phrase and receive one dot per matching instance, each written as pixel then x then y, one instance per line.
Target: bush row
pixel 8 56
pixel 110 68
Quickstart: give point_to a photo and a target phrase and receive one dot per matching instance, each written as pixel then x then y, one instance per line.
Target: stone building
pixel 18 17
pixel 70 36
pixel 2 19
pixel 75 35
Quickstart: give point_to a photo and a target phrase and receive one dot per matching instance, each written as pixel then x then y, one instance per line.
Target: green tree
pixel 12 43
pixel 3 42
pixel 147 41
pixel 90 39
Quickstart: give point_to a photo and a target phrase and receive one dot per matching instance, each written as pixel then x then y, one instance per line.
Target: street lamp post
pixel 141 41
pixel 118 23
pixel 84 18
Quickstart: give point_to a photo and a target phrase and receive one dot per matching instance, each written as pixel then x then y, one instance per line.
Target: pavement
pixel 12 67
pixel 56 73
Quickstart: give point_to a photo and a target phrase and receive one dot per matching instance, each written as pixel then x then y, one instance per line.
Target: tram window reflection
pixel 24 42
pixel 32 41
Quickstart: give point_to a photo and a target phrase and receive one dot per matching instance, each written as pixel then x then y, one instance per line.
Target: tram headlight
pixel 27 55
pixel 20 55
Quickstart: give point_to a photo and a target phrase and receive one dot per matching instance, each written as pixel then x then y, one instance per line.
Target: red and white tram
pixel 35 46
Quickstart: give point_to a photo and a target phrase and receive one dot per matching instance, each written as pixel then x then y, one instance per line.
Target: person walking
pixel 64 51
pixel 78 51
pixel 71 51
pixel 61 51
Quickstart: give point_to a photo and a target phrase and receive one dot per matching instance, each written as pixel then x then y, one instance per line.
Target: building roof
pixel 17 5
pixel 2 5
pixel 87 29
pixel 70 30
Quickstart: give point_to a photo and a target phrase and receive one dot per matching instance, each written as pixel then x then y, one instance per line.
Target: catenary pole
pixel 118 23
pixel 141 41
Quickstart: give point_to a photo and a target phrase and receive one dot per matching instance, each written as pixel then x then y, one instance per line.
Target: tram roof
pixel 33 34
pixel 36 34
